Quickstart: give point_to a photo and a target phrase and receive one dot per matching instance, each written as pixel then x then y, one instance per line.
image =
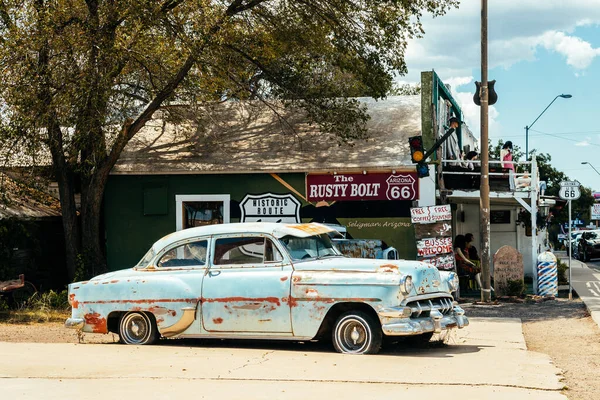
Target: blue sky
pixel 537 49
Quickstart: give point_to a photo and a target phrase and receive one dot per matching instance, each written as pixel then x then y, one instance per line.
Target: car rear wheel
pixel 138 328
pixel 356 332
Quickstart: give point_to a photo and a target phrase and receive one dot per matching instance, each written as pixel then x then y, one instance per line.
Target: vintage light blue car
pixel 267 281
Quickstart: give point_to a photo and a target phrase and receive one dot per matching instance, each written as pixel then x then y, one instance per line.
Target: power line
pixel 540 133
pixel 555 136
pixel 567 133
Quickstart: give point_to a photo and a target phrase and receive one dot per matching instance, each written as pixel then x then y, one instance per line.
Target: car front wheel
pixel 356 332
pixel 138 328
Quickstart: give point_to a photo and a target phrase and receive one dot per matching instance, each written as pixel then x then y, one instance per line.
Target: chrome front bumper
pixel 436 322
pixel 74 323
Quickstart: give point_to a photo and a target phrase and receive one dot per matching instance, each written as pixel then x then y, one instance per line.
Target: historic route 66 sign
pixel 569 190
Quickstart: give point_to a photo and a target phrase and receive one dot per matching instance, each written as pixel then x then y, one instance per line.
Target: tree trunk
pixel 93 251
pixel 66 187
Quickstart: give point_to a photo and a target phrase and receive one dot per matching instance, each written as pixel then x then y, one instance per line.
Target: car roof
pixel 276 229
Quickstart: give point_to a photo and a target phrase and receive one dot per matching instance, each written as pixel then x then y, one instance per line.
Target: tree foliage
pixel 81 77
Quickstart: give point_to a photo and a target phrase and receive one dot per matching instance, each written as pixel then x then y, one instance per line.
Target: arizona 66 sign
pixel 400 187
pixel 369 186
pixel 569 190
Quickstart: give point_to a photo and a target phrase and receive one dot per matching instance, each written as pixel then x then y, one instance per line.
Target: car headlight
pixel 406 285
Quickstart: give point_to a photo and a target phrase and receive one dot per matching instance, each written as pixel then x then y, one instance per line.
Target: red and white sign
pixel 595 212
pixel 371 186
pixel 434 246
pixel 426 215
pixel 444 262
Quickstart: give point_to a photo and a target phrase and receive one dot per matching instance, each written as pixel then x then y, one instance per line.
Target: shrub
pixel 515 287
pixel 48 301
pixel 561 269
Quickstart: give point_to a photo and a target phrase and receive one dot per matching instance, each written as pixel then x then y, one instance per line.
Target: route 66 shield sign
pixel 569 190
pixel 400 187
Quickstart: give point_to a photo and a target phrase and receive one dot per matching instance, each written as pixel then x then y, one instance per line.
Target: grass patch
pixel 38 308
pixel 32 316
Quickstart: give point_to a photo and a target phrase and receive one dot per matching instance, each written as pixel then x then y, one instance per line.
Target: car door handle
pixel 214 273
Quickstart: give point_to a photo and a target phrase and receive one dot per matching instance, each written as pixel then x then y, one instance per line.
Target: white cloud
pixel 579 53
pixel 458 81
pixel 516 29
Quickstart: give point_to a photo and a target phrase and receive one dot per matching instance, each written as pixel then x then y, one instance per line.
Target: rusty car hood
pixel 426 278
pixel 360 265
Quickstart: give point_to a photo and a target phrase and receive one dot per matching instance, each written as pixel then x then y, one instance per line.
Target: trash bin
pixel 547 274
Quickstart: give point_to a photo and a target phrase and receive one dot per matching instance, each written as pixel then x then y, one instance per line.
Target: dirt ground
pixel 560 328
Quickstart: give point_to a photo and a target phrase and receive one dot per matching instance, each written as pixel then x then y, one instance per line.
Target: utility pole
pixel 484 191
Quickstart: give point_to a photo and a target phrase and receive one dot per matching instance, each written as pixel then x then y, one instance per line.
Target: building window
pixel 201 209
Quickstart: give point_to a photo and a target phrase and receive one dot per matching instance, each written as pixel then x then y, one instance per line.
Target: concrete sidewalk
pixel 585 282
pixel 487 360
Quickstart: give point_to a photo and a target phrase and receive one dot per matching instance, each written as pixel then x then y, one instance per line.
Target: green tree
pixel 81 77
pixel 552 177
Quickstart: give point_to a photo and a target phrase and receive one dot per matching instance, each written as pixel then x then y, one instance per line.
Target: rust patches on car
pixel 159 310
pixel 254 306
pixel 292 301
pixel 312 292
pixel 296 279
pixel 114 281
pixel 311 228
pixel 97 323
pixel 388 268
pixel 74 303
pixel 141 301
pixel 218 320
pixel 264 320
pixel 283 278
pixel 274 300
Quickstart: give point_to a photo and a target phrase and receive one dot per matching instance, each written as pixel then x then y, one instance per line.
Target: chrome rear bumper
pixel 74 323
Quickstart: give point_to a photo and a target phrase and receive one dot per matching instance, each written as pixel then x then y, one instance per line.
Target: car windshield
pixel 146 259
pixel 312 247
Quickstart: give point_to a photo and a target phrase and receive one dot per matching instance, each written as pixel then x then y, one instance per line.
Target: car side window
pixel 245 250
pixel 272 254
pixel 191 254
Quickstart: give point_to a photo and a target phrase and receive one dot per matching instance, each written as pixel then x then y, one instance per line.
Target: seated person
pixel 465 266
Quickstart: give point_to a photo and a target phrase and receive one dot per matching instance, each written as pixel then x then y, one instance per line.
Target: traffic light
pixel 422 170
pixel 417 153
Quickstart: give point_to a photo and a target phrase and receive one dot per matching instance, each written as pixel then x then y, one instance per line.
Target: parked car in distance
pixel 589 245
pixel 575 236
pixel 269 281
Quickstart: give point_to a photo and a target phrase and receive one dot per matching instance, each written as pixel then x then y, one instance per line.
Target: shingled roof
pixel 248 137
pixel 23 202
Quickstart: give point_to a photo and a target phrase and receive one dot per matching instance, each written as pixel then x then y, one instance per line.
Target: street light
pixel 564 96
pixel 585 162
